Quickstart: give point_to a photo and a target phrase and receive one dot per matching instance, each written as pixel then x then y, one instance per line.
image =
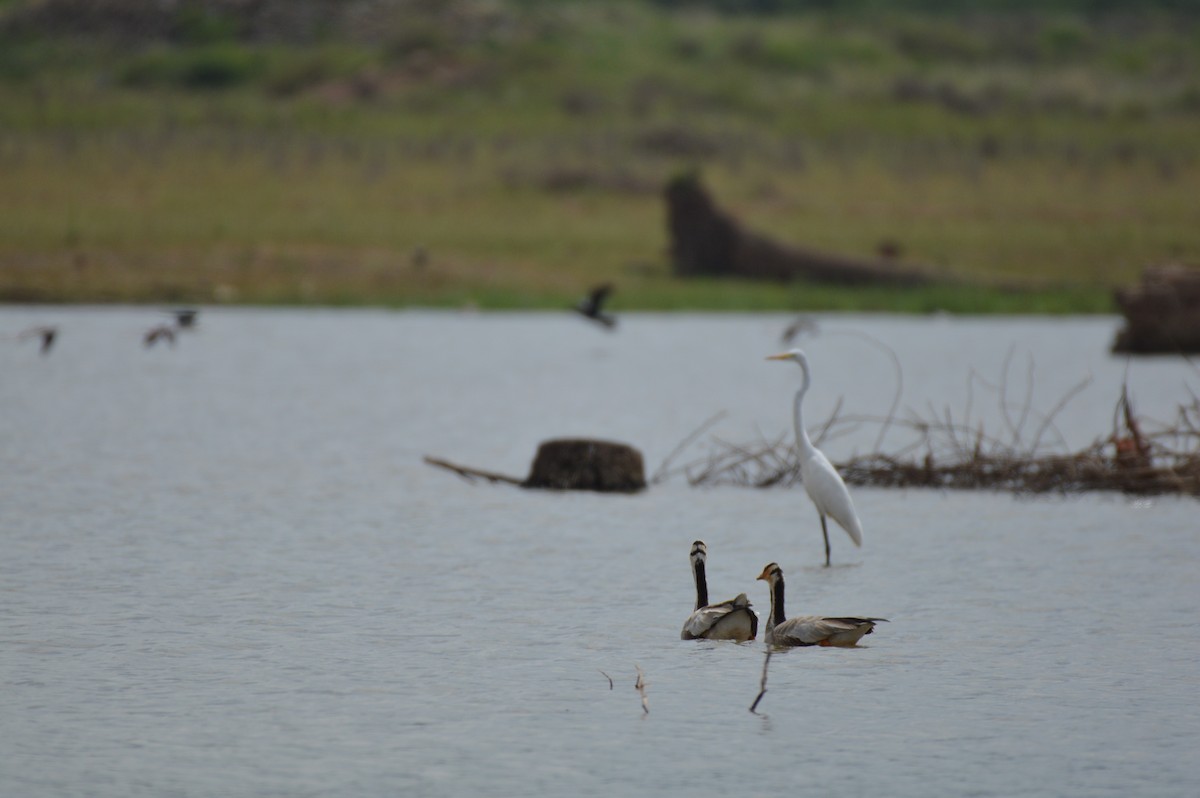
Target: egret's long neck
pixel 802 441
pixel 778 615
pixel 701 583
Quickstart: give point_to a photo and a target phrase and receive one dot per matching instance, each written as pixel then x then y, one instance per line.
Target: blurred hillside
pixel 510 153
pixel 307 21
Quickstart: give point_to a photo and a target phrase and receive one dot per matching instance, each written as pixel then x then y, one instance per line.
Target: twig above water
pixel 640 686
pixel 762 685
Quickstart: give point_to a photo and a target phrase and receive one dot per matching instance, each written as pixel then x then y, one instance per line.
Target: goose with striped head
pixel 728 620
pixel 808 630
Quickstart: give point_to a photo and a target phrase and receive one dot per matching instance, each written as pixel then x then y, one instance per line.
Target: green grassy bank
pixel 510 155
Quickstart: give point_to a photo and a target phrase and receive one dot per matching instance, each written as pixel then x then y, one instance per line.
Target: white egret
pixel 821 480
pixel 808 630
pixel 729 620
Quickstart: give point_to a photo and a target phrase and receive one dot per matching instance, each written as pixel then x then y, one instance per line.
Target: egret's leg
pixel 825 532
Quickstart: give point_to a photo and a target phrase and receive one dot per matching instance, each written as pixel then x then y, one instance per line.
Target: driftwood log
pixel 706 241
pixel 571 464
pixel 1162 313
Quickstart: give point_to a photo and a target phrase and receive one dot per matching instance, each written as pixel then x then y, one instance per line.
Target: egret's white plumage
pixel 822 482
pixel 729 620
pixel 808 630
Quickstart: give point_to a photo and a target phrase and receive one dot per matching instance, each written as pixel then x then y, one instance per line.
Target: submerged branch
pixel 762 685
pixel 470 474
pixel 640 686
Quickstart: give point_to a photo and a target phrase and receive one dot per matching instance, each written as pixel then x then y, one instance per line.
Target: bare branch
pixel 891 353
pixel 1054 411
pixel 469 474
pixel 1004 390
pixel 1025 408
pixel 762 685
pixel 662 472
pixel 819 438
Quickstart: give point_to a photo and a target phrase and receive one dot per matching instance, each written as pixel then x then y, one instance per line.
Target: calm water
pixel 227 571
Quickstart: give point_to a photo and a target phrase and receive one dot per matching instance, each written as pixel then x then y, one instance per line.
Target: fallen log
pixel 707 241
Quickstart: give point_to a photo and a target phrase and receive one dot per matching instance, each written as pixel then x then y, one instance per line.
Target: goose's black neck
pixel 777 614
pixel 701 584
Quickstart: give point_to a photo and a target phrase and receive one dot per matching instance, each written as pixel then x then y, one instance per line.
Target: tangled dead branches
pixel 1138 457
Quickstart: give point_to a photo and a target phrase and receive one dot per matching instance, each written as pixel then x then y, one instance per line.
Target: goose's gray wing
pixel 816 630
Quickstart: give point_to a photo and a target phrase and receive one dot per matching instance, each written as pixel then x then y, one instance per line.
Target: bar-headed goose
pixel 808 630
pixel 729 620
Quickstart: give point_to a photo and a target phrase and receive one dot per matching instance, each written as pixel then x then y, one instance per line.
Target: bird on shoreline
pixel 728 620
pixel 808 630
pixel 821 480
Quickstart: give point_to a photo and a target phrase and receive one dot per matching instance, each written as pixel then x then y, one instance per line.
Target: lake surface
pixel 226 569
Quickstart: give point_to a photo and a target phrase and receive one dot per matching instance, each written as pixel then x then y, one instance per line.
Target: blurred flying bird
pixel 47 334
pixel 185 318
pixel 590 306
pixel 804 324
pixel 161 332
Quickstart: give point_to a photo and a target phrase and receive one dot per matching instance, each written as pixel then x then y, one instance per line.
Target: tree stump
pixel 1162 313
pixel 584 464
